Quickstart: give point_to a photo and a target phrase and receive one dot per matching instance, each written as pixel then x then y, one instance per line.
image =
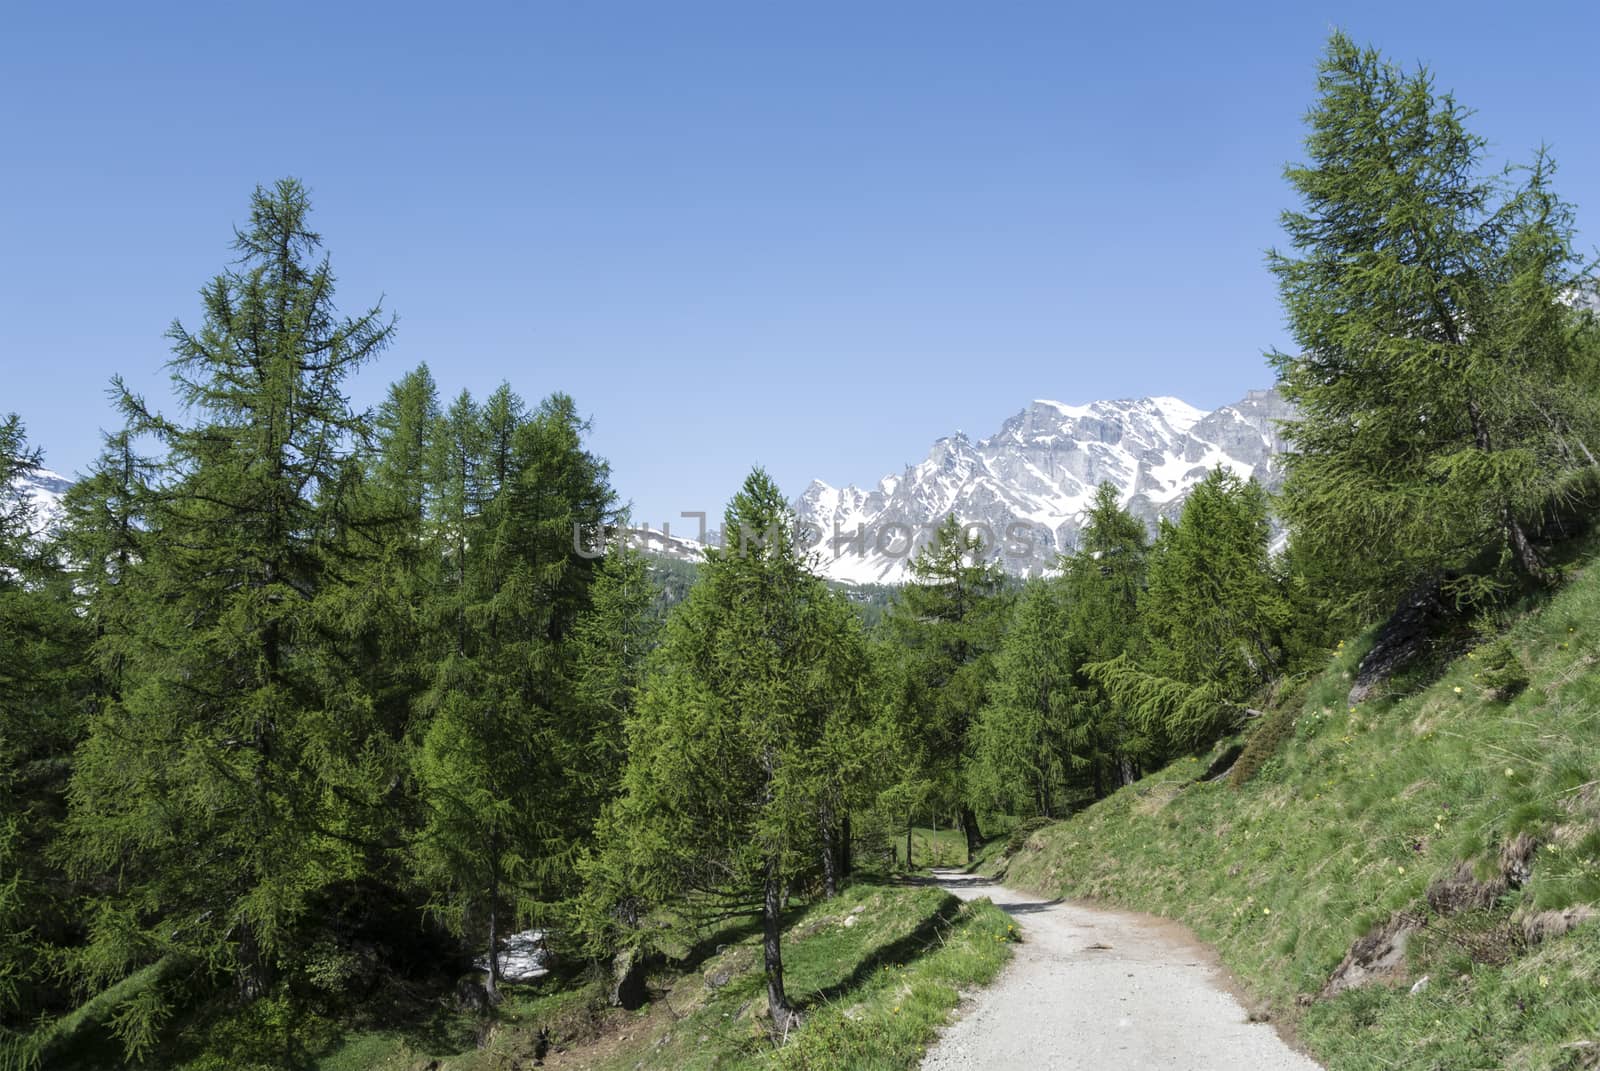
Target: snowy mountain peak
pixel 44 489
pixel 1025 488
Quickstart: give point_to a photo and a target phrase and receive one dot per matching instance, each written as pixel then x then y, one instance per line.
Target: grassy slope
pixel 875 989
pixel 1355 815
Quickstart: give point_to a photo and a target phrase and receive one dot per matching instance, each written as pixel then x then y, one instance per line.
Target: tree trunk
pixel 1528 559
pixel 772 951
pixel 830 861
pixel 254 977
pixel 1125 767
pixel 909 819
pixel 492 987
pixel 846 854
pixel 969 826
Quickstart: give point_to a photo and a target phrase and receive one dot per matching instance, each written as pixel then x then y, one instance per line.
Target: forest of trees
pixel 299 702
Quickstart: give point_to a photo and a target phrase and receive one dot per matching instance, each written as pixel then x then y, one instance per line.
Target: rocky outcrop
pixel 1379 956
pixel 1404 638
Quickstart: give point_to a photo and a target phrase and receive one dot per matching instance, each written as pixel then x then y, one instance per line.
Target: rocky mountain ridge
pixel 1025 488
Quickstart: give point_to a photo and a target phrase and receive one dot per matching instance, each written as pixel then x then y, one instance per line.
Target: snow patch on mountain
pixel 1026 487
pixel 43 491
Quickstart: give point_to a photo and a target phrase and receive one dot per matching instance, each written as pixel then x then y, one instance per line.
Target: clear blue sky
pixel 813 235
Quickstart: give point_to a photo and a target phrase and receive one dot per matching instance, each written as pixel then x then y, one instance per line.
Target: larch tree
pixel 1104 579
pixel 1034 736
pixel 1444 401
pixel 44 647
pixel 504 765
pixel 948 621
pixel 237 771
pixel 1213 615
pixel 611 644
pixel 732 751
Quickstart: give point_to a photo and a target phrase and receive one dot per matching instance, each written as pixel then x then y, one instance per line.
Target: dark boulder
pixel 1404 638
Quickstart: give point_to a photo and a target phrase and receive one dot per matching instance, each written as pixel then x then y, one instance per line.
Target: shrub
pixel 1263 744
pixel 1500 673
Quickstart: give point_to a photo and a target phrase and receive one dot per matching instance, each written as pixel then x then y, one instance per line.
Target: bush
pixel 1263 744
pixel 1500 673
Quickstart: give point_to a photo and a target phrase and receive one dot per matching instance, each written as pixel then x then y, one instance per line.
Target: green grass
pixel 877 971
pixel 571 1010
pixel 931 848
pixel 1350 819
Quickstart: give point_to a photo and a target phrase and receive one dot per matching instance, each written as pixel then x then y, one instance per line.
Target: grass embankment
pixel 1362 817
pixel 877 970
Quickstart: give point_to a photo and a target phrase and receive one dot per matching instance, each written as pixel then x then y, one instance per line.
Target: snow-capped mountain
pixel 43 490
pixel 1024 488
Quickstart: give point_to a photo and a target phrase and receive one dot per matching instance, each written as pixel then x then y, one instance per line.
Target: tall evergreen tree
pixel 401 561
pixel 611 643
pixel 236 773
pixel 1213 617
pixel 105 521
pixel 404 462
pixel 504 767
pixel 948 621
pixel 843 693
pixel 43 648
pixel 1443 403
pixel 1212 610
pixel 1104 579
pixel 1034 736
pixel 731 752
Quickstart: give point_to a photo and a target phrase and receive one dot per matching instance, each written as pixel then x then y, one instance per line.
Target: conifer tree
pixel 731 750
pixel 612 641
pixel 1212 610
pixel 948 621
pixel 404 461
pixel 844 694
pixel 1034 735
pixel 1443 401
pixel 1104 579
pixel 237 772
pixel 104 524
pixel 1213 616
pixel 400 561
pixel 504 766
pixel 43 646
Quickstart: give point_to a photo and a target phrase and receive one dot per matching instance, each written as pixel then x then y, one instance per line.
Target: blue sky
pixel 811 235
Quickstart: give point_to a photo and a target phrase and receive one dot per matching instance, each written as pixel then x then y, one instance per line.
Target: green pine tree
pixel 507 765
pixel 1213 617
pixel 1104 579
pixel 1444 403
pixel 236 773
pixel 1035 736
pixel 612 642
pixel 948 622
pixel 747 707
pixel 44 645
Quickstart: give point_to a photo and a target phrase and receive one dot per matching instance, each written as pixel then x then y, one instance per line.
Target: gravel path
pixel 1097 989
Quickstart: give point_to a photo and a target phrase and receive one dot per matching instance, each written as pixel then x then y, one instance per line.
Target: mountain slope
pixel 1026 486
pixel 1409 881
pixel 43 490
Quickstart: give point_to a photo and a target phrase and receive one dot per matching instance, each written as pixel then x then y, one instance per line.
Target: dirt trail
pixel 1097 989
